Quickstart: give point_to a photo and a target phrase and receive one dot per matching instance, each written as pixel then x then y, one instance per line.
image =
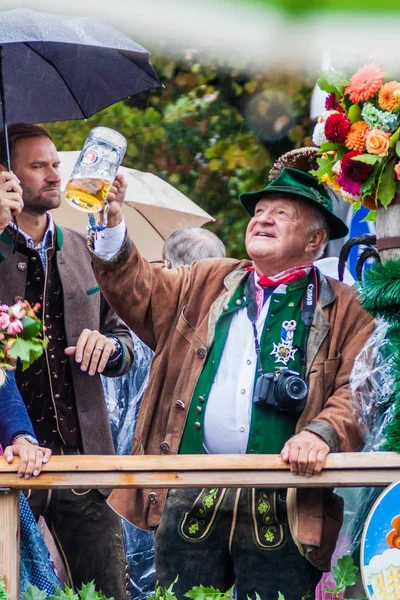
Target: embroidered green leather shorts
pixel 221 537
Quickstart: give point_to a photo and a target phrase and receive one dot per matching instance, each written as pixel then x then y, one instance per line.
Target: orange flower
pixel 389 96
pixel 377 142
pixel 365 83
pixel 356 137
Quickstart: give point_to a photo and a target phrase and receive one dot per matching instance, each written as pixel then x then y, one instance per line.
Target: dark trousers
pixel 89 536
pixel 231 537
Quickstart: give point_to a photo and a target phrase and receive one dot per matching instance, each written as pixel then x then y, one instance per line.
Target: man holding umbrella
pixel 62 390
pixel 250 357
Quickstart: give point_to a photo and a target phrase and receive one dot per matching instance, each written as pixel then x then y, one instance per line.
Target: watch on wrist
pixel 117 347
pixel 27 437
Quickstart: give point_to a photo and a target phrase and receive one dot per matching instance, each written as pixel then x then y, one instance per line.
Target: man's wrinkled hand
pixel 31 457
pixel 11 202
pixel 306 453
pixel 115 198
pixel 92 351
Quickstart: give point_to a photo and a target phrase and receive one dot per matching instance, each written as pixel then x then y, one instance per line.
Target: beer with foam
pixel 95 170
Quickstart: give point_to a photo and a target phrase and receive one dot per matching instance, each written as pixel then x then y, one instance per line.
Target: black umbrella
pixel 55 68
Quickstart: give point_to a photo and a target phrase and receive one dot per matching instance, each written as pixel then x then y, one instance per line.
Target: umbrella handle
pixel 5 128
pixel 3 111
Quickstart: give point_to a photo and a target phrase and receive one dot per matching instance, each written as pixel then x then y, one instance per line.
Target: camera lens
pixel 290 391
pixel 295 388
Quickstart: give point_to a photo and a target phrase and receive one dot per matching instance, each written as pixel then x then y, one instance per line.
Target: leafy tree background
pixel 212 132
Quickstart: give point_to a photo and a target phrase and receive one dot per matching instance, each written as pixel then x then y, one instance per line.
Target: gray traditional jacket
pixel 84 307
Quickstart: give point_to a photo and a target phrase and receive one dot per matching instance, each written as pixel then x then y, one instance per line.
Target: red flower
pixel 332 103
pixel 354 169
pixel 337 127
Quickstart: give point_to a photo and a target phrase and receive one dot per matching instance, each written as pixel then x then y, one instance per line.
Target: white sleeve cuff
pixel 109 242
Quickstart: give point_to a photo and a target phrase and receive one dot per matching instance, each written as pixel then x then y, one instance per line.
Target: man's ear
pixel 316 239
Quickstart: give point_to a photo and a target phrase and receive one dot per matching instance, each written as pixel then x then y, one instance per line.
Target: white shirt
pixel 228 411
pixel 109 242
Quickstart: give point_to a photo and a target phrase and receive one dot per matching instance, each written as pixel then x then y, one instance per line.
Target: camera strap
pixel 251 308
pixel 308 305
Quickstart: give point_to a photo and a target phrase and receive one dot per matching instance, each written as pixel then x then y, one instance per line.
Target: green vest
pixel 283 332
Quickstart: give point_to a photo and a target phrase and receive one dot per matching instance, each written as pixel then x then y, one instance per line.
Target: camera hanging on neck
pixel 286 392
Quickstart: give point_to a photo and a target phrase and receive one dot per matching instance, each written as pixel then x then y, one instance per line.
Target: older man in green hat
pixel 250 357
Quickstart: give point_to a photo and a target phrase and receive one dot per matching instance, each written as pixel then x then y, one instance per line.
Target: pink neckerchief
pixel 285 277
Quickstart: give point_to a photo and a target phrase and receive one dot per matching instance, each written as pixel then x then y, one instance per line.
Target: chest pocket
pixel 331 367
pixel 190 334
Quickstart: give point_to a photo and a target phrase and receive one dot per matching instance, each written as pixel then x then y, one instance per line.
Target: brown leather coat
pixel 174 311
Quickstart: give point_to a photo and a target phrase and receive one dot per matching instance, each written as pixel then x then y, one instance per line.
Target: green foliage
pixel 380 294
pixel 87 592
pixel 324 166
pixel 369 159
pixel 332 81
pixel 200 592
pixel 354 113
pixel 369 185
pixel 371 217
pixel 164 593
pixel 345 574
pixel 32 328
pixel 386 188
pixel 26 350
pixel 67 593
pixel 204 133
pixel 33 593
pixel 3 593
pixel 394 138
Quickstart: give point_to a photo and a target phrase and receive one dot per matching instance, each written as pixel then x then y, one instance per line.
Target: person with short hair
pixel 62 390
pixel 251 356
pixel 189 244
pixel 124 396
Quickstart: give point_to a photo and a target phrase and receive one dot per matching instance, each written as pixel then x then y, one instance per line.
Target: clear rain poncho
pixel 123 398
pixel 371 389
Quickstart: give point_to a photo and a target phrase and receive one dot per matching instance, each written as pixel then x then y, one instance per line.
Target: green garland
pixel 380 293
pixel 380 296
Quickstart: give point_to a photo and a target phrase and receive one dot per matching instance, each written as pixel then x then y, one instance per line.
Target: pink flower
pixel 4 320
pixel 348 185
pixel 397 170
pixel 17 311
pixel 15 327
pixel 4 308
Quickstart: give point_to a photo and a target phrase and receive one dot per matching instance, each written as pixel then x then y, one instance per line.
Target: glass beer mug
pixel 95 169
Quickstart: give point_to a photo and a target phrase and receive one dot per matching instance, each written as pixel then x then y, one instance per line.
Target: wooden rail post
pixel 9 540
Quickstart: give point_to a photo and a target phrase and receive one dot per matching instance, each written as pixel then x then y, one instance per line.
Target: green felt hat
pixel 297 183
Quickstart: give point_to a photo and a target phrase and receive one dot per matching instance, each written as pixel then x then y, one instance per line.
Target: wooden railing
pixel 186 471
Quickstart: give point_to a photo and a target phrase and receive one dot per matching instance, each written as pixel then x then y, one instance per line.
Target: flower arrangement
pixel 21 335
pixel 358 137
